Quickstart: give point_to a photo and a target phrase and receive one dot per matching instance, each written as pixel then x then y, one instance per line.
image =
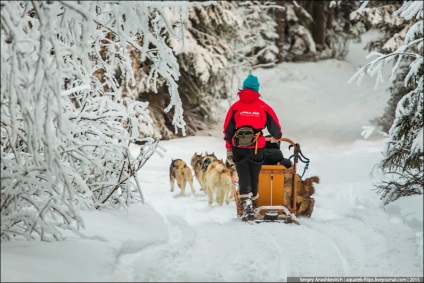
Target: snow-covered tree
pixel 341 29
pixel 258 47
pixel 65 126
pixel 382 16
pixel 397 90
pixel 300 43
pixel 205 58
pixel 404 153
pixel 316 30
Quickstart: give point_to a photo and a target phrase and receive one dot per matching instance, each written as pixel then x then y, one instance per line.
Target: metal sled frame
pixel 272 196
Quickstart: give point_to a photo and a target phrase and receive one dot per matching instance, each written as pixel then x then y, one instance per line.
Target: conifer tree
pixel 404 154
pixel 207 61
pixel 205 57
pixel 317 30
pixel 397 90
pixel 259 33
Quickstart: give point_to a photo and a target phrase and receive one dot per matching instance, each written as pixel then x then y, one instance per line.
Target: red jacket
pixel 251 111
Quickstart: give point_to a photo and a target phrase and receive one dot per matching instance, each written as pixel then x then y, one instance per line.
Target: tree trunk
pixel 308 5
pixel 318 28
pixel 329 27
pixel 280 15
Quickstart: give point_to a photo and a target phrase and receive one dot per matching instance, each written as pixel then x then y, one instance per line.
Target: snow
pixel 173 238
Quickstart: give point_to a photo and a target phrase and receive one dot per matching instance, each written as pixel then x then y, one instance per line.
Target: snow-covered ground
pixel 173 238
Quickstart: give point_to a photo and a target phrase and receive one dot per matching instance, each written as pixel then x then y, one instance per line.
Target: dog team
pixel 213 175
pixel 218 180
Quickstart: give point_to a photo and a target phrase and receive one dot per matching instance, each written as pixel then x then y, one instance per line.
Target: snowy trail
pixel 349 233
pixel 241 252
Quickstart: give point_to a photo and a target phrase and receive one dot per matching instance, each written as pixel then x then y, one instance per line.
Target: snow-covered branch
pixel 66 127
pixel 404 151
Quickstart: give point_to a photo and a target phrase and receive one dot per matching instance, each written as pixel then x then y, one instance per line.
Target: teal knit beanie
pixel 251 82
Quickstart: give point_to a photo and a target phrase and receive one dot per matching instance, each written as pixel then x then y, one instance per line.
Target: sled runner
pixel 277 190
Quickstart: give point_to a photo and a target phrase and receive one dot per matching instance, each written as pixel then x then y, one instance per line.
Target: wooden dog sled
pixel 277 190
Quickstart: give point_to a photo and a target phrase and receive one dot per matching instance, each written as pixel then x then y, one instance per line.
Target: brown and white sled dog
pixel 218 182
pixel 200 166
pixel 305 188
pixel 182 174
pixel 196 164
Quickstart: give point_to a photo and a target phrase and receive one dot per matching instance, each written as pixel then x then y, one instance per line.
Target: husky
pixel 207 159
pixel 204 163
pixel 196 164
pixel 182 174
pixel 218 183
pixel 305 188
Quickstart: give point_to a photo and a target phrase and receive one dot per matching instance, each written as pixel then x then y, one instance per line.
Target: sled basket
pixel 277 193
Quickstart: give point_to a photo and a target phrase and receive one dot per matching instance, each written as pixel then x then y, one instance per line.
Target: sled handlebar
pixel 273 140
pixel 298 155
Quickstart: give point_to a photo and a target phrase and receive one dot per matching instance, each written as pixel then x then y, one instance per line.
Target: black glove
pixel 230 160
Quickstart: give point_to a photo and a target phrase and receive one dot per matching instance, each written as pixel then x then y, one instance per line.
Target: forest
pixel 81 81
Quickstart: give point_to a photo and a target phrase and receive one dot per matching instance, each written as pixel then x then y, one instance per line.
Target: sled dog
pixel 182 174
pixel 196 164
pixel 218 182
pixel 305 188
pixel 206 160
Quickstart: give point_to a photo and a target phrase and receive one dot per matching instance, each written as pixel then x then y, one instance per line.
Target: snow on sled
pixel 283 194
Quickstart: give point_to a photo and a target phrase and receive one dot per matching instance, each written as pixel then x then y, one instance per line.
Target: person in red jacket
pixel 249 112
